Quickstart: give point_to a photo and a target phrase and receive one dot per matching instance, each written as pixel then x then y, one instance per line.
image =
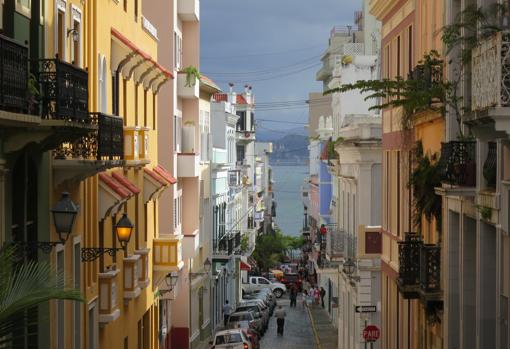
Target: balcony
pixel 458 166
pixel 108 308
pixel 409 265
pixel 136 146
pixel 168 253
pixel 91 153
pixel 189 10
pixel 143 268
pixel 187 92
pixel 131 277
pixel 245 136
pixel 430 272
pixel 64 91
pixel 188 165
pixel 227 245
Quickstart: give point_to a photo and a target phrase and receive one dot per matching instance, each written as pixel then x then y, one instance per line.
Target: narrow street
pixel 298 332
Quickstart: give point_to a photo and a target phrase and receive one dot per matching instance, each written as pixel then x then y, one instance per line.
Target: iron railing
pixel 64 91
pixel 13 76
pixel 409 259
pixel 430 268
pixel 490 165
pixel 458 163
pixel 105 143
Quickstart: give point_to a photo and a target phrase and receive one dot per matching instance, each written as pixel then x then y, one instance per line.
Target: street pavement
pixel 298 333
pixel 326 332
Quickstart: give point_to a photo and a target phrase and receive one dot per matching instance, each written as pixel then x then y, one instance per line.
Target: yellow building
pixel 411 307
pixel 110 172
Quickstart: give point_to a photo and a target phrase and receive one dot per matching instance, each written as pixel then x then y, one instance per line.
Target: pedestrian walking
pixel 317 295
pixel 280 315
pixel 227 309
pixel 323 293
pixel 293 296
pixel 305 298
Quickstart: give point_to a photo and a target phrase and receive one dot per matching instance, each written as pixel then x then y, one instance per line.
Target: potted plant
pixel 192 75
pixel 33 94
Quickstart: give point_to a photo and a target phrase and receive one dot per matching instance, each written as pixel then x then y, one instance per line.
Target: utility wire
pixel 260 54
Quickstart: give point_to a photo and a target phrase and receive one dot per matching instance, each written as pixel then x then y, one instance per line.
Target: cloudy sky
pixel 273 45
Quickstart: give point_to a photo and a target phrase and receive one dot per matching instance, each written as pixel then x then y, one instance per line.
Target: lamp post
pixel 349 268
pixel 64 214
pixel 123 230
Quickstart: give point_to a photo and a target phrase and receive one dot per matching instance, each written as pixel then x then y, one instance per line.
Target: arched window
pixel 103 90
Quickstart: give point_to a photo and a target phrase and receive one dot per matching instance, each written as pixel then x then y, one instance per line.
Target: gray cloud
pixel 253 35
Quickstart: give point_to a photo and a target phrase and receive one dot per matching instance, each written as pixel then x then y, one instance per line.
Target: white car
pixel 231 339
pixel 257 283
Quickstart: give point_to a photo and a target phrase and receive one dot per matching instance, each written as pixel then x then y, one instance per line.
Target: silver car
pixel 246 320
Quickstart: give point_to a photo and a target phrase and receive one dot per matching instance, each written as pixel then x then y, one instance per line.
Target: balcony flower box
pixel 131 277
pixel 108 307
pixel 143 268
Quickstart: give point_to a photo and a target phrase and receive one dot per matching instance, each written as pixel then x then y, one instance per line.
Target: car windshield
pixel 228 338
pixel 248 308
pixel 240 317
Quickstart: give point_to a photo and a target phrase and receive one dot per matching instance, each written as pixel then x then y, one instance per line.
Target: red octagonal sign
pixel 371 333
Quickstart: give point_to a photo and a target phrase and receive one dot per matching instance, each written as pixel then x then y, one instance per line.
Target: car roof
pixel 231 331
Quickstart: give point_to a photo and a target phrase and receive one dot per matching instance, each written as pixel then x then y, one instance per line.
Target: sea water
pixel 287 194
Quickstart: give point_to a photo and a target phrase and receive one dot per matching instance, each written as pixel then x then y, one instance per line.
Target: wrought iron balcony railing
pixel 490 64
pixel 64 91
pixel 13 76
pixel 458 163
pixel 490 165
pixel 105 143
pixel 430 268
pixel 409 260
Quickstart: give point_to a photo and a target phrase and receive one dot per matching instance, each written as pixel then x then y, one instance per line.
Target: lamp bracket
pixel 32 246
pixel 90 254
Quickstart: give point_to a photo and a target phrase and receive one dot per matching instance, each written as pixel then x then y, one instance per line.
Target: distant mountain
pixel 290 149
pixel 266 135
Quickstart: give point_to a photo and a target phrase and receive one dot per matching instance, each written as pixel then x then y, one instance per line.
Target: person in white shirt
pixel 227 309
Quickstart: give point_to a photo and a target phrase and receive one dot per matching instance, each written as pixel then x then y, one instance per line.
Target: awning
pixel 113 193
pixel 160 170
pixel 126 183
pixel 128 59
pixel 152 184
pixel 244 266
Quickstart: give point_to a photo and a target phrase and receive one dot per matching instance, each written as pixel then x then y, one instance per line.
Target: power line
pixel 259 54
pixel 270 78
pixel 284 122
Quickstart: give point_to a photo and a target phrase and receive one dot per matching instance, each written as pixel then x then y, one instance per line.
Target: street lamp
pixel 123 230
pixel 349 268
pixel 207 268
pixel 64 212
pixel 171 280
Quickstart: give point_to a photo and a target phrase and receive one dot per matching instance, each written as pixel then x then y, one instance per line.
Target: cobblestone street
pixel 298 332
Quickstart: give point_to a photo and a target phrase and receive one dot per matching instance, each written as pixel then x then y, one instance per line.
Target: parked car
pixel 246 320
pixel 231 339
pixel 256 283
pixel 290 279
pixel 253 337
pixel 258 307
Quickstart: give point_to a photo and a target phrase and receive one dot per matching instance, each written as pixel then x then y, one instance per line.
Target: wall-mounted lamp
pixel 207 268
pixel 64 213
pixel 76 34
pixel 123 230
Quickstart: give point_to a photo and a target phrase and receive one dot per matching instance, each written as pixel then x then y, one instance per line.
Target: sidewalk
pixel 326 335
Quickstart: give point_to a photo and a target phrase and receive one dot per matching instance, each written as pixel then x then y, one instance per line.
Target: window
pixel 410 47
pixel 398 56
pixel 92 327
pixel 178 50
pixel 398 193
pixel 263 282
pixel 103 92
pixel 77 305
pixel 177 133
pixel 145 109
pixel 136 10
pixel 76 40
pixel 124 100
pixel 154 109
pixel 61 33
pixel 136 103
pixel 125 5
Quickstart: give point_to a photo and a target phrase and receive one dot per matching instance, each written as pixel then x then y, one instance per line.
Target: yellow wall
pixel 98 18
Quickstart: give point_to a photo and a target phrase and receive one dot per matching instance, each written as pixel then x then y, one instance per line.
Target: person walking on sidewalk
pixel 293 296
pixel 323 293
pixel 280 315
pixel 227 309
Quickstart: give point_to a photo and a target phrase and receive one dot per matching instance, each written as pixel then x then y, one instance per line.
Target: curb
pixel 317 339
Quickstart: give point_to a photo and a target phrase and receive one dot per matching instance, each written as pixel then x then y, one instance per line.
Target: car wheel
pixel 278 292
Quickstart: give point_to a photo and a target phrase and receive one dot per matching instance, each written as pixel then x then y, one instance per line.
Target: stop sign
pixel 371 333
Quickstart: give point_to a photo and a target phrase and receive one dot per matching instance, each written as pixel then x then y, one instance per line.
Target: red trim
pixel 186 154
pixel 394 9
pixel 223 97
pixel 403 24
pixel 155 176
pixel 244 266
pixel 395 140
pixel 145 55
pixel 114 185
pixel 126 182
pixel 161 171
pixel 180 337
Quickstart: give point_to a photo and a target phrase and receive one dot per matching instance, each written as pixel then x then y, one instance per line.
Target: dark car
pixel 292 279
